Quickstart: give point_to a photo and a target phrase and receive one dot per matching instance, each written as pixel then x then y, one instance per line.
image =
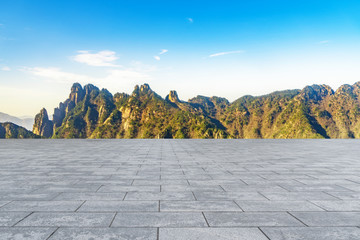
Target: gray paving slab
pixel 52 219
pixel 56 206
pixel 119 206
pixel 312 233
pixel 228 196
pixel 350 195
pixel 296 196
pixel 28 196
pixel 2 203
pixel 112 189
pixel 184 188
pixel 327 219
pixel 277 206
pixel 105 234
pixel 346 205
pixel 25 233
pixel 91 196
pixel 159 196
pixel 180 189
pixel 159 219
pixel 198 206
pixel 250 219
pixel 211 234
pixel 8 219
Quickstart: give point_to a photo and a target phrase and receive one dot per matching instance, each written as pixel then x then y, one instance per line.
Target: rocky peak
pixel 173 97
pixel 145 88
pixel 344 89
pixel 89 88
pixel 77 93
pixel 43 126
pixel 136 91
pixel 120 96
pixel 316 92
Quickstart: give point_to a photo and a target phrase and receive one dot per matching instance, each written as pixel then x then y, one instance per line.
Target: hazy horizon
pixel 196 48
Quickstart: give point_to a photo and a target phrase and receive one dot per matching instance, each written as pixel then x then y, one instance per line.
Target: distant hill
pixel 316 111
pixel 25 122
pixel 11 130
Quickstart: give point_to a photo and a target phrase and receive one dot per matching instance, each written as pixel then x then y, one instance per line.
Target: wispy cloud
pixel 163 51
pixel 324 42
pixel 5 68
pixel 190 20
pixel 113 77
pixel 225 53
pixel 100 59
pixel 57 74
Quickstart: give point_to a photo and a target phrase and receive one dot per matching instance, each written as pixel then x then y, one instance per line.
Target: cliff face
pixel 11 130
pixel 43 126
pixel 313 112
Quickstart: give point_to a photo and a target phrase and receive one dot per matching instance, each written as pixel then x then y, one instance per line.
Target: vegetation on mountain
pixel 313 112
pixel 11 130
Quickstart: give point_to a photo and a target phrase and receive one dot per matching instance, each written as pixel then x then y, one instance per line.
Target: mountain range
pixel 26 122
pixel 316 111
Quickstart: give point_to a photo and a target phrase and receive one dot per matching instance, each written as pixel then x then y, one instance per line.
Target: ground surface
pixel 180 189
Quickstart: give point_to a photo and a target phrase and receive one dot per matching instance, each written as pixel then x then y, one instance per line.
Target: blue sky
pixel 224 48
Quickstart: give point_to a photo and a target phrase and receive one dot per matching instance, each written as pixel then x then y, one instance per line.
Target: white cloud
pixel 5 68
pixel 113 79
pixel 225 53
pixel 57 74
pixel 324 42
pixel 163 51
pixel 100 59
pixel 190 20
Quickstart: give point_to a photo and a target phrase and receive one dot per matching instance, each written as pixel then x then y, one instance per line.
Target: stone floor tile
pixel 112 188
pixel 8 219
pixel 23 233
pixel 341 206
pixel 196 206
pixel 328 219
pixel 159 219
pixel 120 206
pixel 59 206
pixel 105 234
pixel 204 196
pixel 296 196
pixel 59 219
pixel 253 219
pixel 277 206
pixel 211 234
pixel 159 196
pixel 312 233
pixel 118 196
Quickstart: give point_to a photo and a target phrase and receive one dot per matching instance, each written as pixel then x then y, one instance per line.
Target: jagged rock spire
pixel 173 97
pixel 43 126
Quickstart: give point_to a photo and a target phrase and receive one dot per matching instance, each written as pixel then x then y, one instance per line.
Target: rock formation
pixel 313 112
pixel 43 126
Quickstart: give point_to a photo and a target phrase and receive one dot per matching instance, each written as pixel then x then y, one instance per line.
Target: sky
pixel 222 48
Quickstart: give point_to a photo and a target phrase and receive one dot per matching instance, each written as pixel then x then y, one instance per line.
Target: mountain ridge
pixel 316 111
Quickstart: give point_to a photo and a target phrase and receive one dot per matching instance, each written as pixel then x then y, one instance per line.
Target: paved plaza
pixel 180 189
